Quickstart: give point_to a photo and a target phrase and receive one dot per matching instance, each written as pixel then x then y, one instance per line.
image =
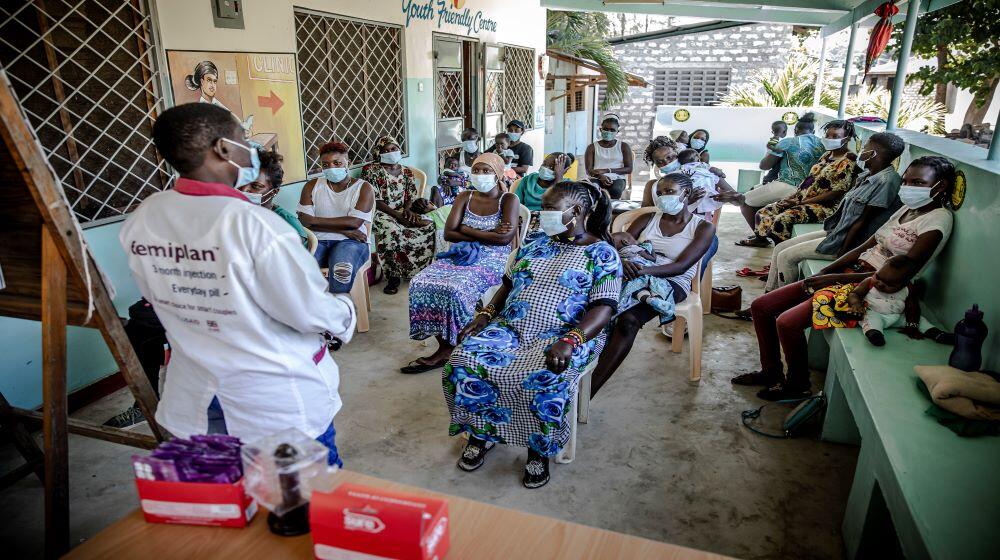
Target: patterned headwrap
pixel 493 160
pixel 383 141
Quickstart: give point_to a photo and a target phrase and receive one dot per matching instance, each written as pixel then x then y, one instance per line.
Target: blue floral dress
pixel 443 296
pixel 496 384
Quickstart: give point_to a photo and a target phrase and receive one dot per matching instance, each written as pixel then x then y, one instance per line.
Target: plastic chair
pixel 420 177
pixel 577 414
pixel 311 242
pixel 706 280
pixel 525 220
pixel 625 219
pixel 688 313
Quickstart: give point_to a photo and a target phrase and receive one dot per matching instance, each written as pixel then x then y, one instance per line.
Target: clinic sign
pixel 450 12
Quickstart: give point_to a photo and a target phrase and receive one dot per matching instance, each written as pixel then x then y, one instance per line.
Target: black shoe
pixel 536 471
pixel 875 337
pixel 474 454
pixel 127 419
pixel 782 391
pixel 391 286
pixel 756 378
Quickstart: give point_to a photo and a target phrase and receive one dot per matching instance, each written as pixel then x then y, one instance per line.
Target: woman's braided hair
pixel 846 126
pixel 595 203
pixel 656 144
pixel 682 180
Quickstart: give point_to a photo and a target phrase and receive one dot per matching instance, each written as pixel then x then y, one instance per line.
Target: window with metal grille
pixel 85 73
pixel 351 83
pixel 690 86
pixel 518 99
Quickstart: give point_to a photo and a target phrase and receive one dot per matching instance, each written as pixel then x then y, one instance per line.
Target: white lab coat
pixel 244 307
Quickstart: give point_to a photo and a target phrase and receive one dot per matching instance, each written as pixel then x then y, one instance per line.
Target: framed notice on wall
pixel 259 89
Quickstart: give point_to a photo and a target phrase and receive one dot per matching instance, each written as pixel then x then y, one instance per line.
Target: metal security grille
pixel 449 95
pixel 494 92
pixel 519 85
pixel 690 86
pixel 85 73
pixel 351 84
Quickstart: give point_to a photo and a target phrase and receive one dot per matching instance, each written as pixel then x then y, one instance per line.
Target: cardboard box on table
pixel 358 522
pixel 195 503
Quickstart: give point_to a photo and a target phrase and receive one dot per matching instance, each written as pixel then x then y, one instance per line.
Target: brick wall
pixel 743 49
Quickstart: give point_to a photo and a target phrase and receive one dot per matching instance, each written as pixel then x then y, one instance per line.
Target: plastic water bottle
pixel 970 333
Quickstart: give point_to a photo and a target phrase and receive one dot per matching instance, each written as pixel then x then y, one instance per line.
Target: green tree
pixel 790 86
pixel 582 34
pixel 965 40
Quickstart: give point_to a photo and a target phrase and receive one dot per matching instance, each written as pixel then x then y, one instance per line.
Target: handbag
pixel 726 299
pixel 794 422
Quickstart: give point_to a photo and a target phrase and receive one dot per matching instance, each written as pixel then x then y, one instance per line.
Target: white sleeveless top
pixel 672 246
pixel 330 204
pixel 609 158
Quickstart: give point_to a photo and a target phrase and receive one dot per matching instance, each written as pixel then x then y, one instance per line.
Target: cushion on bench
pixel 802 229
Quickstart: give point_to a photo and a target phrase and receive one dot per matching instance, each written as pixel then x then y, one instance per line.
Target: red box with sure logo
pixel 195 503
pixel 356 521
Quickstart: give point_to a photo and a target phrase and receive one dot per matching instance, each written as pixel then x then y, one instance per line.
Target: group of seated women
pixel 573 295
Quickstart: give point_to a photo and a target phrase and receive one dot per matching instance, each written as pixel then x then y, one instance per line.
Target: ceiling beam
pixel 749 13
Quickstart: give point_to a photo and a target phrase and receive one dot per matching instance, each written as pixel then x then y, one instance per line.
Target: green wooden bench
pixel 802 229
pixel 939 492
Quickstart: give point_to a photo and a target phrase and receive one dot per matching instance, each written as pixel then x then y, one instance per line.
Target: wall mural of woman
pixel 205 77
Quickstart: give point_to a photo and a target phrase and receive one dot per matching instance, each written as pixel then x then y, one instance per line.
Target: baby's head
pixel 779 129
pixel 451 162
pixel 688 156
pixel 502 141
pixel 894 274
pixel 623 239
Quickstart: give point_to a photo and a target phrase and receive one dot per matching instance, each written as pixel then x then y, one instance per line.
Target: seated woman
pixel 864 209
pixel 470 150
pixel 443 296
pixel 680 239
pixel 819 194
pixel 609 160
pixel 533 185
pixel 699 143
pixel 339 210
pixel 514 374
pixel 661 152
pixel 403 240
pixel 919 230
pixel 264 190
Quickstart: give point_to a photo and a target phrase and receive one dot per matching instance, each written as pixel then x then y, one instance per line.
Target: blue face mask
pixel 552 222
pixel 608 135
pixel 246 175
pixel 698 143
pixel 514 136
pixel 916 197
pixel 670 167
pixel 391 158
pixel 670 203
pixel 471 146
pixel 546 174
pixel 335 174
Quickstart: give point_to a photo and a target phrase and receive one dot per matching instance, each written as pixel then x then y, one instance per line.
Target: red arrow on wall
pixel 272 102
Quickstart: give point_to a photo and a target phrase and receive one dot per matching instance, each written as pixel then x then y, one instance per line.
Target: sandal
pixel 417 366
pixel 391 286
pixel 741 315
pixel 782 391
pixel 756 378
pixel 754 241
pixel 747 271
pixel 474 454
pixel 536 472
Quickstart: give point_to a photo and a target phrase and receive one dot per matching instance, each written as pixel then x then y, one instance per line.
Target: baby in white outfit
pixel 887 294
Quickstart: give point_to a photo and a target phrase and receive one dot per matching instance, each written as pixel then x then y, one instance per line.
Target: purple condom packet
pixel 203 458
pixel 151 468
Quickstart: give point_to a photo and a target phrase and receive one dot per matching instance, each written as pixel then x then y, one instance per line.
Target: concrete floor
pixel 660 458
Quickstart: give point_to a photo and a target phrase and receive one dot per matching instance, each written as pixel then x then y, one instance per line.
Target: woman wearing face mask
pixel 481 228
pixel 251 334
pixel 339 209
pixel 662 152
pixel 609 160
pixel 470 150
pixel 404 240
pixel 514 373
pixel 531 188
pixel 919 230
pixel 679 240
pixel 699 143
pixel 819 194
pixel 265 188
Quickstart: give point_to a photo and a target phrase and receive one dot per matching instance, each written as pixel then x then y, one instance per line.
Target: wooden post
pixel 54 396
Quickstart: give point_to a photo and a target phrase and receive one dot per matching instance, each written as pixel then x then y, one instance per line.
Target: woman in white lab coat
pixel 244 306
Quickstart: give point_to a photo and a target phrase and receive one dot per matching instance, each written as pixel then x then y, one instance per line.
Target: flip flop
pixel 753 242
pixel 747 272
pixel 416 366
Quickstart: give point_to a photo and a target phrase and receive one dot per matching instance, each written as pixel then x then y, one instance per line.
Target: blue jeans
pixel 712 250
pixel 217 425
pixel 342 259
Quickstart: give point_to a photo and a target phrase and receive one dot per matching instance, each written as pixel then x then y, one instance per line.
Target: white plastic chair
pixel 577 414
pixel 420 178
pixel 706 281
pixel 525 217
pixel 312 243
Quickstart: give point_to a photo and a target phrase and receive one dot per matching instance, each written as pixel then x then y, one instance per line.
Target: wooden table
pixel 478 530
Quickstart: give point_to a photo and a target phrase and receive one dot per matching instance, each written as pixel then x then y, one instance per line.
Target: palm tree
pixel 791 86
pixel 582 34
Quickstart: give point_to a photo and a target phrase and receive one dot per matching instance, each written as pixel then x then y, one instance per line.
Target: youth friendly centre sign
pixel 448 12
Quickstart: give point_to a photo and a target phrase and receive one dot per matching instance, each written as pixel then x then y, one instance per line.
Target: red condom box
pixel 356 521
pixel 195 503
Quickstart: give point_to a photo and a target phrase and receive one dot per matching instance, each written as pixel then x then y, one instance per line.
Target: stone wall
pixel 742 49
